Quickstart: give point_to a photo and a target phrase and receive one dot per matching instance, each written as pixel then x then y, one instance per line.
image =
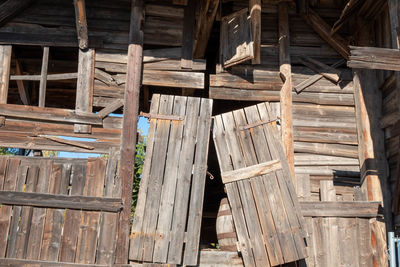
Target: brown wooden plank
pixel 169 186
pixel 29 263
pixel 72 217
pixel 8 182
pixel 109 221
pixel 89 225
pixel 184 177
pixel 43 77
pixel 52 234
pixel 255 17
pixel 188 35
pixel 340 209
pixel 5 56
pixel 135 250
pixel 84 87
pixel 198 184
pixel 38 214
pixel 24 225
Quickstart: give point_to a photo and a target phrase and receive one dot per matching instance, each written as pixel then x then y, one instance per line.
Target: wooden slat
pixel 60 201
pixel 50 77
pixel 251 171
pixel 5 56
pixel 52 232
pixel 72 217
pixel 374 58
pixel 38 214
pixel 89 224
pixel 340 209
pixel 49 114
pixel 43 77
pixel 84 87
pixel 163 116
pixel 319 67
pixel 188 35
pixel 184 177
pixel 198 184
pixel 113 106
pixel 170 184
pixel 255 17
pixel 8 182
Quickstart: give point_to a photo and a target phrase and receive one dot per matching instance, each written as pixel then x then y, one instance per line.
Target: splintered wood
pixel 266 213
pixel 168 212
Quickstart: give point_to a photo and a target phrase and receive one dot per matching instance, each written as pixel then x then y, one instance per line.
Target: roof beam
pixel 81 23
pixel 11 8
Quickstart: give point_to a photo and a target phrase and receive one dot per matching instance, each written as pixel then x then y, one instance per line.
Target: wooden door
pixel 170 202
pixel 265 209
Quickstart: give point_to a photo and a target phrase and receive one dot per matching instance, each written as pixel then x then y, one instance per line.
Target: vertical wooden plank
pixel 84 87
pixel 226 164
pixel 286 91
pixel 23 231
pixel 135 250
pixel 255 17
pixel 109 221
pixel 169 187
pixel 349 255
pixel 183 182
pixel 128 142
pixel 8 182
pixel 72 217
pixel 38 214
pixel 89 225
pixel 198 184
pixel 157 174
pixel 20 173
pixel 81 23
pixel 188 35
pixel 330 225
pixel 43 77
pixel 205 21
pixel 51 242
pixel 5 57
pixel 363 233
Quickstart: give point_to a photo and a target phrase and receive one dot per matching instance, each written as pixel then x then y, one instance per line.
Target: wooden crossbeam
pixel 205 21
pixel 81 23
pixel 324 30
pixel 22 90
pixel 66 142
pixel 11 8
pixel 60 201
pixel 259 123
pixel 251 171
pixel 319 67
pixel 22 262
pixel 374 58
pixel 363 209
pixel 113 106
pixel 50 77
pixel 162 117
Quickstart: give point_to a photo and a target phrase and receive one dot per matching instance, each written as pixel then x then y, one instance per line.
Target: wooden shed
pixel 281 115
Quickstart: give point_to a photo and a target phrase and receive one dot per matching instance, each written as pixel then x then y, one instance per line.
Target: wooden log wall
pixel 63 210
pixel 324 119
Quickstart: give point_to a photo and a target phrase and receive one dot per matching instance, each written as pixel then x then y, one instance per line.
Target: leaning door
pixel 265 209
pixel 166 226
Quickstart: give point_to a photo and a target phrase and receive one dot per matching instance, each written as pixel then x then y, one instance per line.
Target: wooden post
pixel 5 57
pixel 81 23
pixel 128 142
pixel 43 77
pixel 188 35
pixel 84 87
pixel 255 16
pixel 286 91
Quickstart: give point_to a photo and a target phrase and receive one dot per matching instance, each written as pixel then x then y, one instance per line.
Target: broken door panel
pixel 236 40
pixel 265 209
pixel 169 208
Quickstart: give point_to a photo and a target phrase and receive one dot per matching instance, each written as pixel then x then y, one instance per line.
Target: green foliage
pixel 8 151
pixel 139 161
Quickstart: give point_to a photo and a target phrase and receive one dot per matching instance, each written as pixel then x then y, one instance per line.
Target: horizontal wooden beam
pixel 251 171
pixel 374 58
pixel 362 209
pixel 49 114
pixel 60 201
pixel 180 79
pixel 50 77
pixel 162 117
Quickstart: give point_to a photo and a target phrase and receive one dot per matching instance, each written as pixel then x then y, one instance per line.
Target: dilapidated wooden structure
pixel 290 109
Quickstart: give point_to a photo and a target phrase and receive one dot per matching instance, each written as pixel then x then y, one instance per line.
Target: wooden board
pixel 236 40
pixel 173 176
pixel 278 234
